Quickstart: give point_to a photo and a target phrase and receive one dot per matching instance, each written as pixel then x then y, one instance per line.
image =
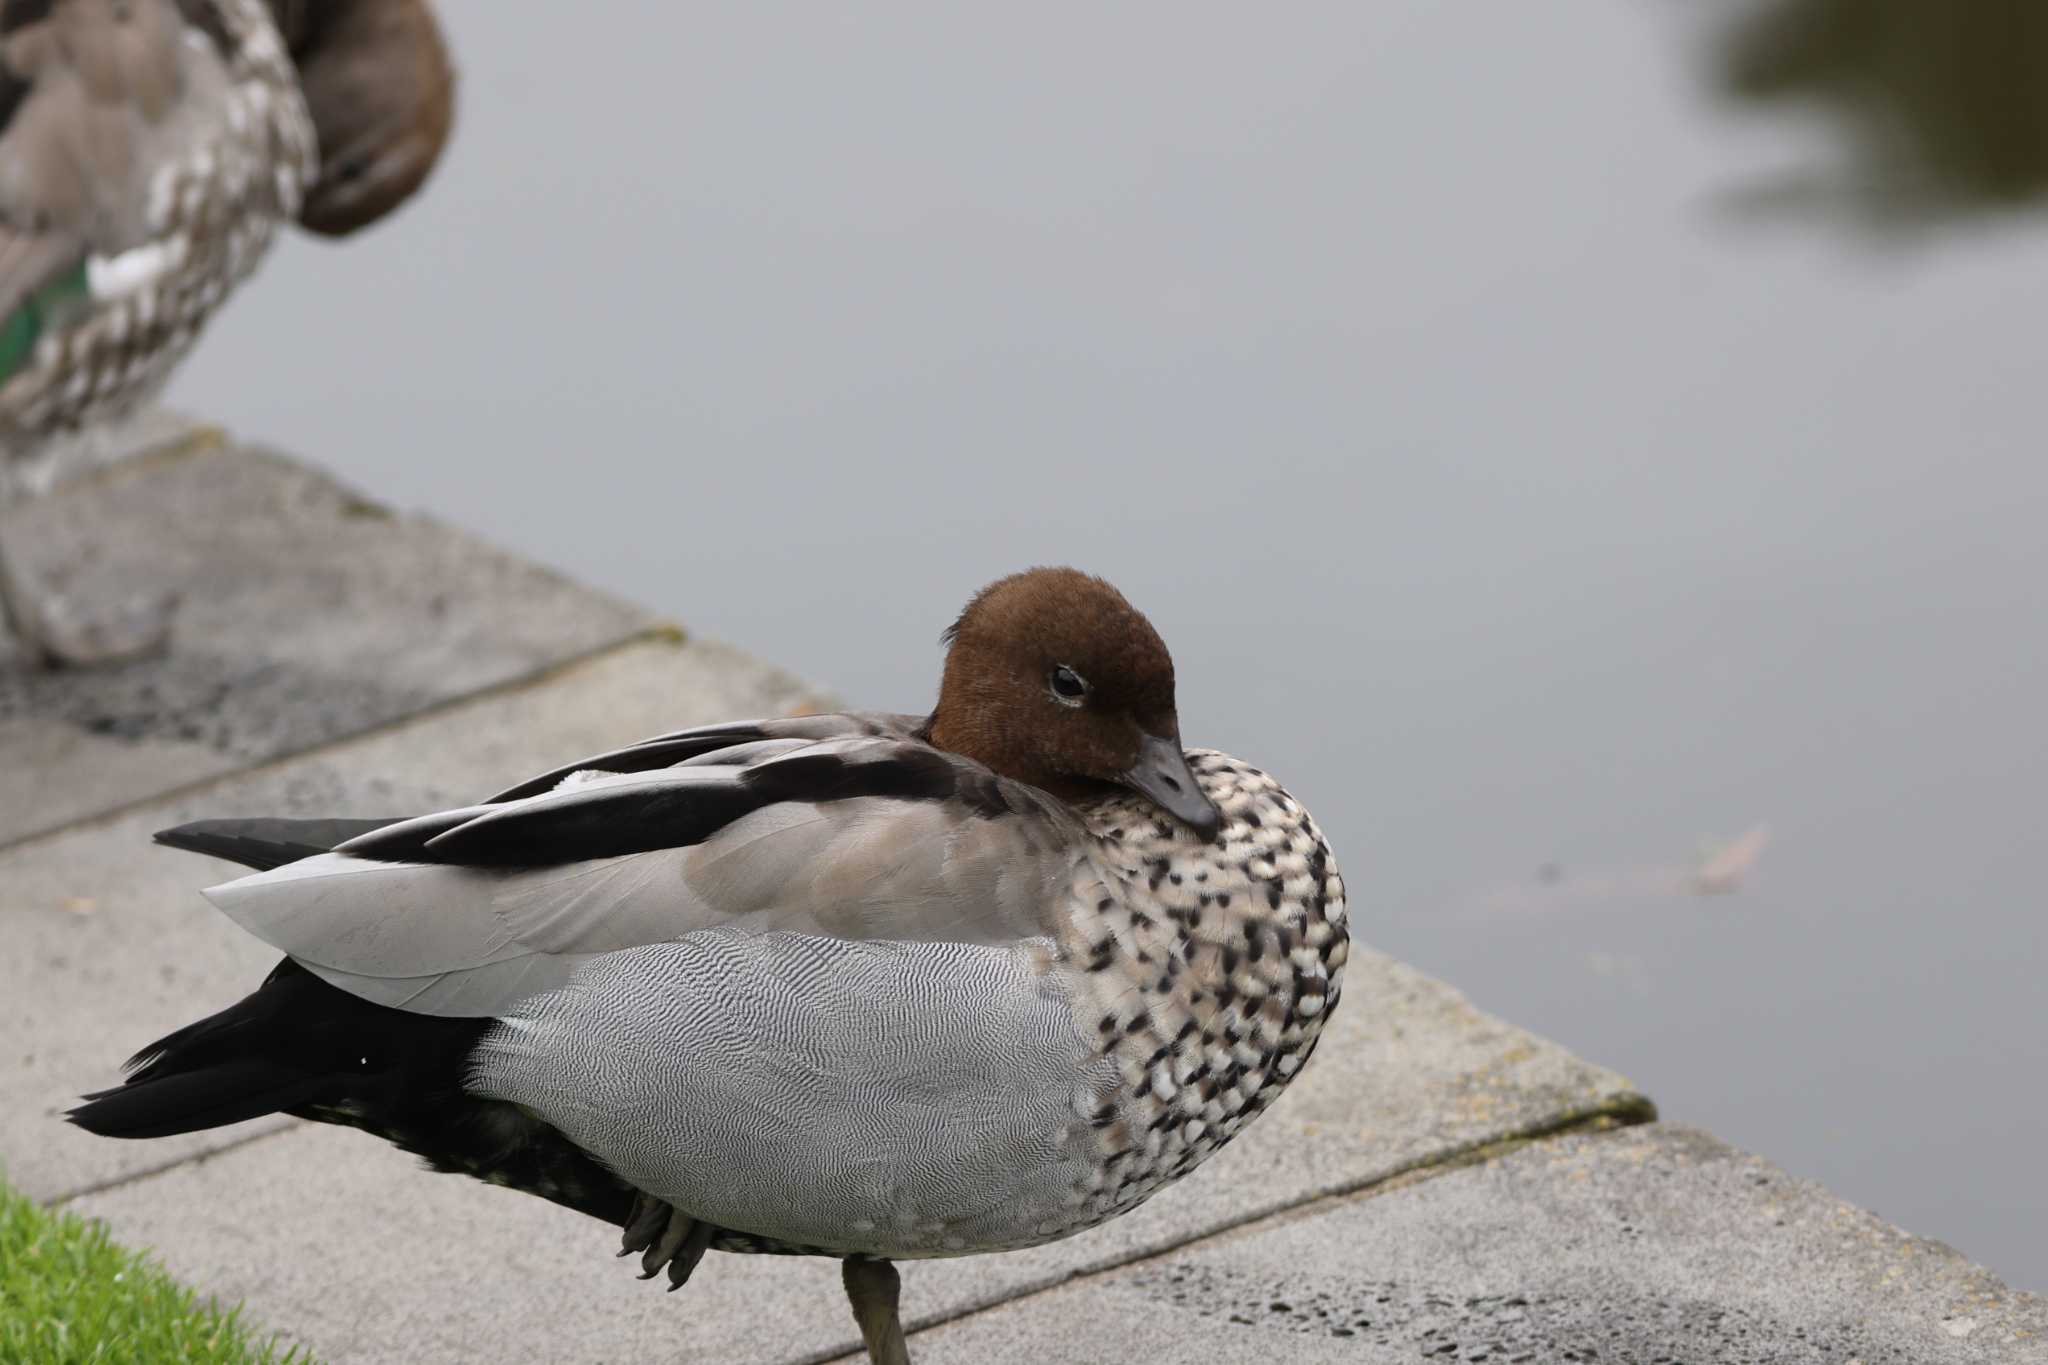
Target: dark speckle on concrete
pixel 239 708
pixel 1596 1323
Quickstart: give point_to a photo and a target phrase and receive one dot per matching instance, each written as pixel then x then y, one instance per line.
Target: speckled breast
pixel 1198 974
pixel 1206 971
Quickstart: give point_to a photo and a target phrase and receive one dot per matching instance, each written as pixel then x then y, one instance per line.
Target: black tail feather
pixel 299 1046
pixel 276 1049
pixel 267 842
pixel 186 1102
pixel 237 1018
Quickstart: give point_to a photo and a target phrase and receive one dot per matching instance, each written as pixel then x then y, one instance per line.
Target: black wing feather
pixel 405 841
pixel 699 781
pixel 267 842
pixel 663 751
pixel 680 746
pixel 597 822
pixel 689 805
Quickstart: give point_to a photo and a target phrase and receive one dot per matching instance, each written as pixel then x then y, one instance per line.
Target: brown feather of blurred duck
pixel 379 84
pixel 149 149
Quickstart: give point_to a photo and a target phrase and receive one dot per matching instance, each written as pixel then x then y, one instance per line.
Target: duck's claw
pixel 684 1262
pixel 666 1245
pixel 643 1224
pixel 666 1236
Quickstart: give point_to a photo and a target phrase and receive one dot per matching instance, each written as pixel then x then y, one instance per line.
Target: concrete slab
pixel 1656 1243
pixel 309 613
pixel 341 1242
pixel 108 944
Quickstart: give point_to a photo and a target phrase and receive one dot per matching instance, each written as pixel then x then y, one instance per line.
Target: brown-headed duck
pixel 869 986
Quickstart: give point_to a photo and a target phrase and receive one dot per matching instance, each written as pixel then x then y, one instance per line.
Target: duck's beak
pixel 1162 773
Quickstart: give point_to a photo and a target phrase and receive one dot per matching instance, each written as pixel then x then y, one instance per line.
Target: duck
pixel 379 85
pixel 871 986
pixel 149 151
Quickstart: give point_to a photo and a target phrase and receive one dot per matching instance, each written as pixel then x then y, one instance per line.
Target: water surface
pixel 1531 518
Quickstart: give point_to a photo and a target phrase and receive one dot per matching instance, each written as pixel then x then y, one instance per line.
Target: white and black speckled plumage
pixel 169 191
pixel 1208 968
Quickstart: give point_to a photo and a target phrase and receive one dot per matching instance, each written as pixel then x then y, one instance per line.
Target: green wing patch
pixel 39 312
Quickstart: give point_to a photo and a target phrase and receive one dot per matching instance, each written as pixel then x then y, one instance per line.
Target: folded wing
pixel 852 835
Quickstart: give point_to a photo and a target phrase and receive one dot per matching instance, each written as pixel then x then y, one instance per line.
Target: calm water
pixel 1491 484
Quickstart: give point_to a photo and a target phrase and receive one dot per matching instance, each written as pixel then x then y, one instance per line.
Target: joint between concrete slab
pixel 1455 1159
pixel 198 439
pixel 1623 1111
pixel 147 1173
pixel 659 633
pixel 101 457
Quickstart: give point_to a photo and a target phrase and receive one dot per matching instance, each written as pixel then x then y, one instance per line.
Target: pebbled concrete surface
pixel 309 613
pixel 1650 1246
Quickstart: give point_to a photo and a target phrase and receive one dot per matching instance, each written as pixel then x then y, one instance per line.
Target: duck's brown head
pixel 1052 678
pixel 381 91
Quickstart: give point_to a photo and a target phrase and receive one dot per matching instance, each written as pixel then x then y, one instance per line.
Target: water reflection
pixel 1942 108
pixel 1719 869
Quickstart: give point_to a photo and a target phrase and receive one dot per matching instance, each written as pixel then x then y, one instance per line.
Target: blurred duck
pixel 148 151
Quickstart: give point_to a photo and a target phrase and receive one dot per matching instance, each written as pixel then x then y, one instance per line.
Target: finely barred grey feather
pixel 894 1098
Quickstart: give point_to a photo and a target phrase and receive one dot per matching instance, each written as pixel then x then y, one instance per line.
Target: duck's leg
pixel 52 639
pixel 873 1287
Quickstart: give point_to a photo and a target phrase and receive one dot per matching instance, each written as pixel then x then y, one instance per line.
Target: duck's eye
pixel 1068 687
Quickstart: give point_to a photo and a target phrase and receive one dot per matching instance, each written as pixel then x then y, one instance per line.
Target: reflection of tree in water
pixel 1945 101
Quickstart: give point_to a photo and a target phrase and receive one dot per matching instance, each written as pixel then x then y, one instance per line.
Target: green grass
pixel 69 1296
